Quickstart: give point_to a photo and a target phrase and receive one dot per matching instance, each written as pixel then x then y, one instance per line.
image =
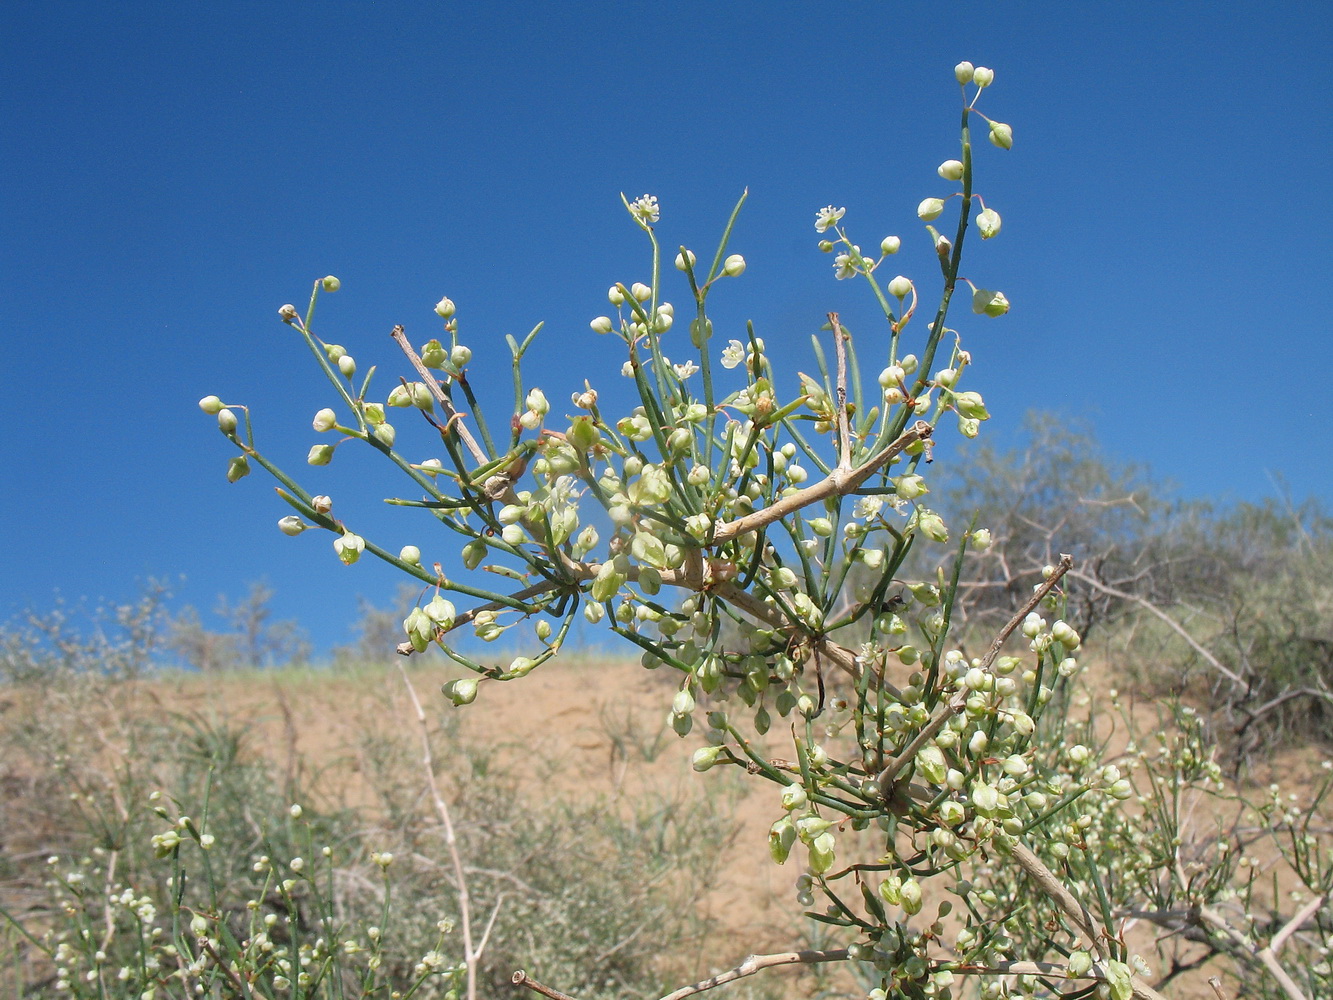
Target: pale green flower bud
pixel 331 284
pixel 734 266
pixel 982 76
pixel 1001 135
pixel 226 421
pixel 399 396
pixel 988 223
pixel 981 539
pixel 970 404
pixel 513 534
pixel 821 526
pixel 410 554
pixel 706 757
pixel 615 296
pixel 320 454
pixel 211 405
pixel 1080 964
pixel 238 468
pixel 473 553
pixel 781 839
pixel 930 208
pixel 990 303
pixel 909 487
pixel 349 547
pixel 325 420
pixel 985 799
pixel 347 365
pixel 386 434
pixel 793 798
pixel 932 526
pixel 964 72
pixel 602 324
pixel 445 308
pixel 900 287
pixel 432 354
pixel 684 260
pixel 462 691
pixel 825 246
pixel 333 352
pixel 950 170
pixel 890 245
pixel 640 291
pixel 1078 754
pixel 1066 635
pixel 911 897
pixel 440 611
pixel 291 525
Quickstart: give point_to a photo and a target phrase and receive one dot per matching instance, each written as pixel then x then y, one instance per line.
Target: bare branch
pixel 757 963
pixel 844 432
pixel 452 416
pixel 521 978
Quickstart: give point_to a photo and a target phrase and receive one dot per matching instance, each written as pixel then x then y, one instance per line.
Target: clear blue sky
pixel 171 173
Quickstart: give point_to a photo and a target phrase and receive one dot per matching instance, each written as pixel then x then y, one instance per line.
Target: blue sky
pixel 172 173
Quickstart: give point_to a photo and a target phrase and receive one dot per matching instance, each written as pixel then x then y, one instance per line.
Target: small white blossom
pixel 685 370
pixel 644 208
pixel 733 354
pixel 828 216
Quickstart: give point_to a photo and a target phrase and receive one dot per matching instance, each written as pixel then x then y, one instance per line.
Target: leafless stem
pixel 470 955
pixel 452 416
pixel 757 963
pixel 844 432
pixel 1265 956
pixel 521 978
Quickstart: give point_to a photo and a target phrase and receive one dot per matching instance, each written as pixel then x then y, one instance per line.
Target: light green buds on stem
pixel 900 287
pixel 320 454
pixel 347 365
pixel 226 421
pixel 685 260
pixel 349 547
pixel 445 308
pixel 964 72
pixel 970 404
pixel 1001 135
pixel 410 554
pixel 734 266
pixel 988 223
pixel 238 468
pixel 330 283
pixel 325 420
pixel 705 757
pixel 986 302
pixel 930 208
pixel 602 324
pixel 211 405
pixel 890 245
pixel 461 692
pixel 950 170
pixel 291 525
pixel 983 77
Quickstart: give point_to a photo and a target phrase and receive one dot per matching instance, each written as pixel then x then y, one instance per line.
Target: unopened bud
pixel 602 324
pixel 445 308
pixel 890 245
pixel 226 421
pixel 930 208
pixel 900 286
pixel 347 365
pixel 291 525
pixel 210 405
pixel 951 170
pixel 734 266
pixel 989 303
pixel 238 468
pixel 684 260
pixel 988 223
pixel 410 554
pixel 641 292
pixel 320 454
pixel 460 355
pixel 1001 135
pixel 615 296
pixel 964 72
pixel 331 284
pixel 325 420
pixel 461 692
pixel 982 76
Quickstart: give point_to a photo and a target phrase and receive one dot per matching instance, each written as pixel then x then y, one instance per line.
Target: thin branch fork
pixel 453 417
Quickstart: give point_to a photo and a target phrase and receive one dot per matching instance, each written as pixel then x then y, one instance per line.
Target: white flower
pixel 645 209
pixel 868 506
pixel 627 369
pixel 349 547
pixel 733 354
pixel 685 370
pixel 844 266
pixel 828 216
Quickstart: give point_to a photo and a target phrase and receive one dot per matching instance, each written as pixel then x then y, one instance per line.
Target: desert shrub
pixel 948 831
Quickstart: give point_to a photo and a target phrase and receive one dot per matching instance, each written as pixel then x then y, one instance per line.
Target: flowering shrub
pixel 939 821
